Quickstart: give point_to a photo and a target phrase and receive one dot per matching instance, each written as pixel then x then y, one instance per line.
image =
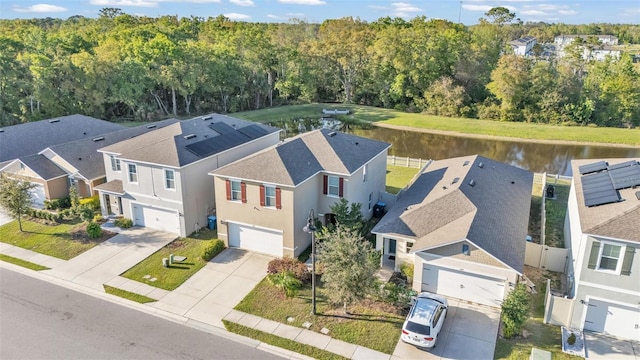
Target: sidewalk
pixel 202 301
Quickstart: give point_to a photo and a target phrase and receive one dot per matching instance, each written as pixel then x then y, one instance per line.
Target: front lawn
pixel 372 324
pixel 398 177
pixel 171 277
pixel 64 241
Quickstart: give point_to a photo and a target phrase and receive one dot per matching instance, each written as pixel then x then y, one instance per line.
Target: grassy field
pixel 127 295
pixel 23 263
pixel 64 241
pixel 274 340
pixel 373 325
pixel 398 177
pixel 169 278
pixel 460 125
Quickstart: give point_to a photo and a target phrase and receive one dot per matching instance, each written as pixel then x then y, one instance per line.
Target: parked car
pixel 425 320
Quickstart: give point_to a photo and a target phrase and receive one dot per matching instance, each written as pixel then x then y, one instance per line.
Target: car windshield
pixel 418 328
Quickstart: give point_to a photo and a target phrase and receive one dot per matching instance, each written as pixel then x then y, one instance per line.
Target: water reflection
pixel 552 158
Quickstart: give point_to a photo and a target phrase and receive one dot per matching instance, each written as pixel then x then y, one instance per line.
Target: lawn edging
pixel 23 263
pixel 127 295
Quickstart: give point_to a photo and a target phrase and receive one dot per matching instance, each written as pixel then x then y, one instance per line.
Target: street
pixel 39 320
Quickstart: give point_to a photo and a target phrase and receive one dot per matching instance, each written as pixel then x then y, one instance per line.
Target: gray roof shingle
pixel 297 159
pixel 42 166
pixel 438 209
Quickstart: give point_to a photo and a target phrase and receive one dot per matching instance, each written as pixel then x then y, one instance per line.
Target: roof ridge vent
pixel 54 121
pixel 466 163
pixel 332 134
pixel 151 126
pixel 481 165
pixel 205 118
pixel 455 180
pixel 472 183
pixel 190 136
pixel 99 138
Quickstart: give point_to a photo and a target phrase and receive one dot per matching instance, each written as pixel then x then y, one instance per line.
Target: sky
pixel 316 11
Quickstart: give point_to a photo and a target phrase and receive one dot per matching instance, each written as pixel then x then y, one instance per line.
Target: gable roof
pixel 42 166
pixel 493 214
pixel 617 220
pixel 30 138
pixel 170 146
pixel 293 161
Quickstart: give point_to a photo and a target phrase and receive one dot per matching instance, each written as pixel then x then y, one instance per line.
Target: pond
pixel 536 157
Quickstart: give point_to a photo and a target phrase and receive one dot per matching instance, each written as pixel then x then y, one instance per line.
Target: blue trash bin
pixel 212 222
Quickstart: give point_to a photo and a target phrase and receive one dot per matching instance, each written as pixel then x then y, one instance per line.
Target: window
pixel 115 163
pixel 364 172
pixel 609 257
pixel 333 186
pixel 269 196
pixel 370 201
pixel 465 249
pixel 169 179
pixel 133 173
pixel 409 247
pixel 236 190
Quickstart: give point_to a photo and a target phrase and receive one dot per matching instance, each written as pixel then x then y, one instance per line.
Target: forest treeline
pixel 121 66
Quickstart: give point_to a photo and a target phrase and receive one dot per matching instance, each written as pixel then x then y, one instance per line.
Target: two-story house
pixel 602 231
pixel 462 224
pixel 159 179
pixel 523 46
pixel 263 201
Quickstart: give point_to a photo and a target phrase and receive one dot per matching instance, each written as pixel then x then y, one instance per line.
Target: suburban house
pixel 263 201
pixel 605 48
pixel 26 151
pixel 523 46
pixel 602 232
pixel 463 224
pixel 564 40
pixel 159 179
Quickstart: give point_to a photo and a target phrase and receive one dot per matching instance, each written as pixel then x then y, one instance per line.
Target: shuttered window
pixel 611 257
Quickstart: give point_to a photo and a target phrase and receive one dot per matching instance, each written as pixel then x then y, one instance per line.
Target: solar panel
pixel 601 199
pixel 217 144
pixel 598 189
pixel 625 177
pixel 621 165
pixel 253 131
pixel 221 128
pixel 593 167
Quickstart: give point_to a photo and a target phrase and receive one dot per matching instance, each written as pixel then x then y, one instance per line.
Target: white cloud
pixel 39 8
pixel 236 16
pixel 567 12
pixel 403 9
pixel 136 3
pixel 533 12
pixel 242 2
pixel 472 7
pixel 302 2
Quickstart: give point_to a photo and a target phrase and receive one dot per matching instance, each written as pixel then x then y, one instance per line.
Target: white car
pixel 425 320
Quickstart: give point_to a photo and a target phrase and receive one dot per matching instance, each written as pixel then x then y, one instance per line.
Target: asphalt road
pixel 39 320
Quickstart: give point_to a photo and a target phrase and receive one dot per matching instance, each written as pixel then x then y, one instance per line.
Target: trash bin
pixel 212 222
pixel 378 209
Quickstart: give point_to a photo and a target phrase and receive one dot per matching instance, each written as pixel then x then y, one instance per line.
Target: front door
pixel 392 247
pixel 107 201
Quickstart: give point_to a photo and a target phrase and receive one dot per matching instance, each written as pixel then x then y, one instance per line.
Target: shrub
pixel 294 266
pixel 515 311
pixel 212 250
pixel 92 202
pixel 571 339
pixel 395 293
pixel 287 282
pixel 123 223
pixel 98 218
pixel 57 204
pixel 94 230
pixel 85 212
pixel 406 268
pixel 66 213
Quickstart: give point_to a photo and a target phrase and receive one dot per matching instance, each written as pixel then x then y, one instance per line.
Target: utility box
pixel 212 222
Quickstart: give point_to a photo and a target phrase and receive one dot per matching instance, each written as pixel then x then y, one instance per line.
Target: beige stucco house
pixel 263 201
pixel 462 223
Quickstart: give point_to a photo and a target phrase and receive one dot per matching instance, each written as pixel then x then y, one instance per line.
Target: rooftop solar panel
pixel 625 177
pixel 601 199
pixel 593 167
pixel 622 164
pixel 217 144
pixel 221 128
pixel 253 131
pixel 598 189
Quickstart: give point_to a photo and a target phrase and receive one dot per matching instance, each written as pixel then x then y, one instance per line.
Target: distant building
pixel 606 48
pixel 564 40
pixel 523 46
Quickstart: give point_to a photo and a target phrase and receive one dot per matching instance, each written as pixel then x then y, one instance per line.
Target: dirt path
pixel 495 137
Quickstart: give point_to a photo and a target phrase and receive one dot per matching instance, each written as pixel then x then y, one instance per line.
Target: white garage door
pixel 463 285
pixel 267 241
pixel 159 219
pixel 613 319
pixel 37 195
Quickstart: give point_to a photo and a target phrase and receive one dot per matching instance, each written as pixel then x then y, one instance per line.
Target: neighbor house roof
pixel 30 138
pixel 297 159
pixel 42 166
pixel 522 41
pixel 184 142
pixel 474 198
pixel 617 220
pixel 113 186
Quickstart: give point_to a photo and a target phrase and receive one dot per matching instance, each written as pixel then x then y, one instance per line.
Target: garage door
pixel 155 218
pixel 262 240
pixel 37 195
pixel 463 285
pixel 613 319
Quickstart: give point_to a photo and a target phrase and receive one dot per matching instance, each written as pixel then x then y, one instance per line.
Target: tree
pixel 444 98
pixel 15 196
pixel 515 310
pixel 350 217
pixel 500 15
pixel 349 267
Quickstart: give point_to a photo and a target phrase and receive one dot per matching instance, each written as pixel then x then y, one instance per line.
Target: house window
pixel 333 186
pixel 609 257
pixel 409 246
pixel 370 201
pixel 364 173
pixel 236 190
pixel 133 173
pixel 115 163
pixel 169 179
pixel 270 196
pixel 465 249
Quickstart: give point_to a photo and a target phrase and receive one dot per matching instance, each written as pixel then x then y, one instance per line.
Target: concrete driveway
pixel 469 332
pixel 600 346
pixel 211 293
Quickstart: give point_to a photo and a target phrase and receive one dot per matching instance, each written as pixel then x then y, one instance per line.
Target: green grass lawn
pixel 555 211
pixel 283 343
pixel 23 263
pixel 127 295
pixel 398 177
pixel 460 125
pixel 170 278
pixel 64 241
pixel 371 324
